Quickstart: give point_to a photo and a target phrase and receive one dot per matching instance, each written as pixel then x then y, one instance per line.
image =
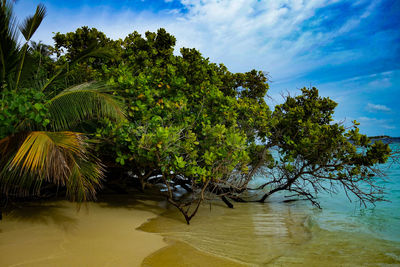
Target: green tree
pixel 316 154
pixel 70 46
pixel 36 141
pixel 193 124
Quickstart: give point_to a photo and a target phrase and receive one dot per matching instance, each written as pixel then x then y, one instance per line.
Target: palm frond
pixel 84 180
pixel 3 146
pixel 81 103
pixel 92 51
pixel 32 23
pixel 9 48
pixel 27 29
pixel 61 158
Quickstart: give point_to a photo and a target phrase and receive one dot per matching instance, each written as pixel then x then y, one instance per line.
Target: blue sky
pixel 349 50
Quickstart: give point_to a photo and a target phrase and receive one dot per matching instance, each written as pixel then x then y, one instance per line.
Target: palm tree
pixel 41 48
pixel 33 152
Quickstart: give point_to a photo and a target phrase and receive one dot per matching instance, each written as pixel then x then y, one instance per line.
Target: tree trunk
pixel 226 201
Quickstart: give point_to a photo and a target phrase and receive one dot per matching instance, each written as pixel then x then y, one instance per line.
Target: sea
pixel 342 233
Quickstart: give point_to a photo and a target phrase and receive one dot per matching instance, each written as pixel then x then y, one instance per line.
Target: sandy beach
pixel 103 233
pixel 100 234
pixel 133 231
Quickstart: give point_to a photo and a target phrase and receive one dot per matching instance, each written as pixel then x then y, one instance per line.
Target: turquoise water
pixel 381 221
pixel 339 214
pixel 275 233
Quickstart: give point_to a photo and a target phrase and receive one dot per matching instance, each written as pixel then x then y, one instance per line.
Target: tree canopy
pixel 195 125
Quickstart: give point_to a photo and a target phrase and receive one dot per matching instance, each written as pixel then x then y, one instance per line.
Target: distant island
pixel 386 138
pixel 379 137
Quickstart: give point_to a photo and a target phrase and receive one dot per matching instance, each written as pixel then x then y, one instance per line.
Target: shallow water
pixel 284 234
pixel 270 234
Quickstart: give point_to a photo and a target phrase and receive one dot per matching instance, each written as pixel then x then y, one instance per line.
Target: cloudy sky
pixel 348 49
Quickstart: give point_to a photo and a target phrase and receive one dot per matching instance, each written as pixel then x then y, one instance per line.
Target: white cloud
pixel 243 34
pixel 374 107
pixel 368 122
pixel 369 125
pixel 255 34
pixel 283 37
pixel 363 85
pixel 381 83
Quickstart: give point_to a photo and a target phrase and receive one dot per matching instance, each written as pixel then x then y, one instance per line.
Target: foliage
pixel 317 154
pixel 193 124
pixel 36 144
pixel 26 105
pixel 61 158
pixel 70 46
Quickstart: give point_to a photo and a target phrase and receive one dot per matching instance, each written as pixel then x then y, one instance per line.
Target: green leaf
pixel 38 106
pixel 83 102
pixel 32 23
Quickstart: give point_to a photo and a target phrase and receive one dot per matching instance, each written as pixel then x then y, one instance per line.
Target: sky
pixel 348 49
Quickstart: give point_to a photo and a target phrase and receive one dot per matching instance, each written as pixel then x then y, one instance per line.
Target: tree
pixel 196 126
pixel 36 141
pixel 70 46
pixel 318 155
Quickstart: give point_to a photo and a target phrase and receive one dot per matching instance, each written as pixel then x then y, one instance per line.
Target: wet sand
pixel 181 254
pixel 100 234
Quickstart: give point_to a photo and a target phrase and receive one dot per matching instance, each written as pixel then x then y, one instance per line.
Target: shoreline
pixel 130 230
pixel 181 254
pixel 99 234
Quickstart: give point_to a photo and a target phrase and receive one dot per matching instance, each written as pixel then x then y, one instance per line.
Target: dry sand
pixel 100 234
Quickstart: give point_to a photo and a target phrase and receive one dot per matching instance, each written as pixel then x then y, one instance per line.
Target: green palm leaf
pixel 84 180
pixel 92 51
pixel 61 158
pixel 9 48
pixel 27 29
pixel 32 23
pixel 83 102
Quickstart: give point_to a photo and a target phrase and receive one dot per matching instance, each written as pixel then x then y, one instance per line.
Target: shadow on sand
pixel 43 213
